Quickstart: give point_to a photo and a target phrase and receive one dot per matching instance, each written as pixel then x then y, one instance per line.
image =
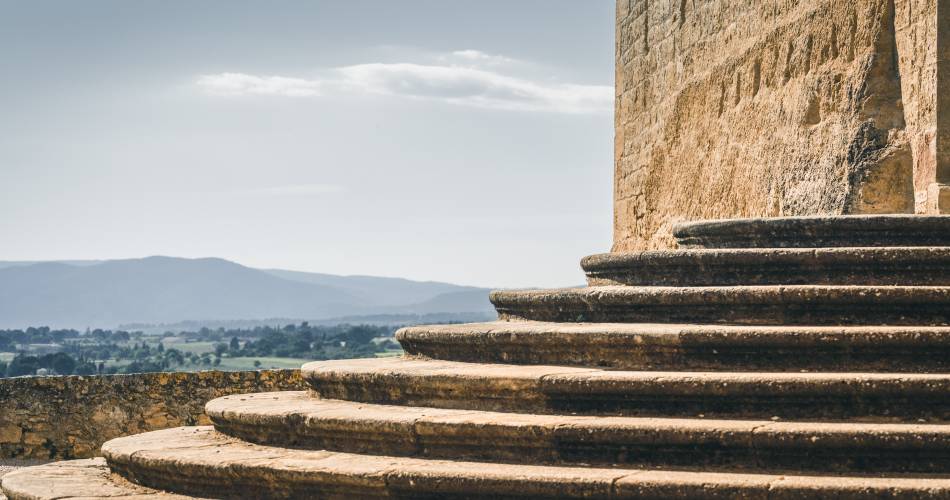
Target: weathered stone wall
pixel 70 417
pixel 733 108
pixel 916 36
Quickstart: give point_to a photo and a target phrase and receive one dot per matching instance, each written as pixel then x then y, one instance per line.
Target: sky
pixel 467 142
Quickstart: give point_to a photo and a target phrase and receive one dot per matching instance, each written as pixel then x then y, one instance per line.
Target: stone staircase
pixel 768 358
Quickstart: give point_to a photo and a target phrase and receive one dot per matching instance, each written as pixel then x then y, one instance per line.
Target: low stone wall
pixel 70 417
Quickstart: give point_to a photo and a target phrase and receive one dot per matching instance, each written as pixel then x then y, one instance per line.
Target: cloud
pixel 478 83
pixel 476 87
pixel 479 57
pixel 238 84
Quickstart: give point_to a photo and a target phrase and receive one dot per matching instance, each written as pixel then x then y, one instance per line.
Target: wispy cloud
pixel 476 87
pixel 478 57
pixel 476 81
pixel 238 84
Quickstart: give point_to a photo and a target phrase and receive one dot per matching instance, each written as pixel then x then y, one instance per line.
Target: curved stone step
pixel 817 231
pixel 772 266
pixel 88 478
pixel 639 346
pixel 200 461
pixel 298 420
pixel 749 305
pixel 558 389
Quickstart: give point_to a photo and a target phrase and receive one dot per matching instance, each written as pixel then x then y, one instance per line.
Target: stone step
pixel 749 305
pixel 817 231
pixel 544 389
pixel 200 461
pixel 298 420
pixel 639 346
pixel 772 266
pixel 87 478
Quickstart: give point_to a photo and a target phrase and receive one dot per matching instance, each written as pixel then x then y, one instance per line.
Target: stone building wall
pixel 737 108
pixel 70 417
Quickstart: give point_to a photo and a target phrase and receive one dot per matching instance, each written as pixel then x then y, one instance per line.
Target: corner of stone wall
pixel 70 417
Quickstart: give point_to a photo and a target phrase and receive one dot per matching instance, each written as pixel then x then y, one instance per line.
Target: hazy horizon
pixel 86 262
pixel 453 142
pixel 170 290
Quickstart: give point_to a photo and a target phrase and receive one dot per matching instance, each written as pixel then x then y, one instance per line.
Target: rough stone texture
pixel 866 397
pixel 70 417
pixel 296 420
pixel 771 266
pixel 735 108
pixel 930 232
pixel 445 479
pixel 9 465
pixel 736 305
pixel 643 346
pixel 199 461
pixel 76 479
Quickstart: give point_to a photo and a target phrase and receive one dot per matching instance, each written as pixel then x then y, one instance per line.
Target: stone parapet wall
pixel 739 108
pixel 70 417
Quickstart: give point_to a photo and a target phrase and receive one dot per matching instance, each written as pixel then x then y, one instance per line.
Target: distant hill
pixel 380 291
pixel 169 290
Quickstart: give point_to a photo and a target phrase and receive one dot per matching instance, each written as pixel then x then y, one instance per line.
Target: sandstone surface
pixel 732 108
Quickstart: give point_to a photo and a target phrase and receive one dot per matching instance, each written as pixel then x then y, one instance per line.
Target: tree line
pixel 107 351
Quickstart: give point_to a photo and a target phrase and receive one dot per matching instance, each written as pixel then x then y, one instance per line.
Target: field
pixel 192 347
pixel 238 364
pixel 122 352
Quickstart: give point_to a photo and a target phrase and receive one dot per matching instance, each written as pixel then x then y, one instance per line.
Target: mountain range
pixel 168 290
